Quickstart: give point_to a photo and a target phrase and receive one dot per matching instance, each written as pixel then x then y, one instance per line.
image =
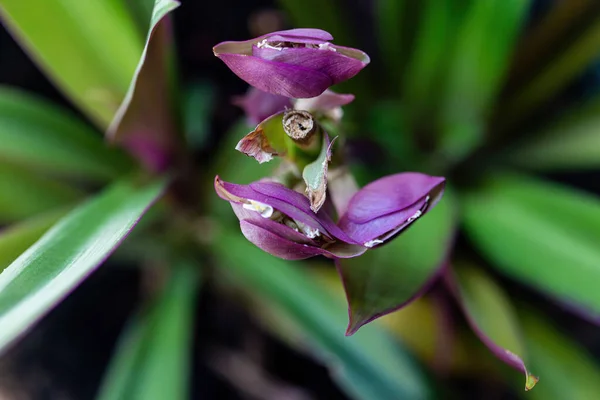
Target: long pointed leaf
pixel 144 122
pixel 17 238
pixel 89 48
pixel 67 253
pixel 558 73
pixel 39 135
pixel 572 142
pixel 568 371
pixel 152 360
pixel 23 194
pixel 368 365
pixel 492 317
pixel 480 60
pixel 540 233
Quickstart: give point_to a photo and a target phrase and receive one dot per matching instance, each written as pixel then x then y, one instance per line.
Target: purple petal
pixel 282 196
pixel 259 105
pixel 293 206
pixel 338 67
pixel 274 244
pixel 383 228
pixel 278 78
pixel 383 208
pixel 293 35
pixel 326 101
pixel 391 194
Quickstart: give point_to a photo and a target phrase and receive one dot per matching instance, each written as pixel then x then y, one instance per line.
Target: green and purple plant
pixel 419 188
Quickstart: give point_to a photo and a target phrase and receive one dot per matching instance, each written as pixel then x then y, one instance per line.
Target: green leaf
pixel 547 34
pixel 387 278
pixel 572 142
pixel 389 17
pixel 40 135
pixel 492 317
pixel 15 239
pixel 315 175
pixel 568 371
pixel 68 252
pixel 368 365
pixel 145 122
pixel 567 65
pixel 543 234
pixel 152 359
pixel 88 48
pixel 481 57
pixel 433 45
pixel 23 194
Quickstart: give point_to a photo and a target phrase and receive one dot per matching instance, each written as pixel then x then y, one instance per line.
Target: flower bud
pixel 297 63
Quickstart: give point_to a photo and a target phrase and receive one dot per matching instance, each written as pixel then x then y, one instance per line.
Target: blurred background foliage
pixel 501 97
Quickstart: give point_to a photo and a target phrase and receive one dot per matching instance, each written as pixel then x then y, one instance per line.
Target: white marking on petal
pixel 265 44
pixel 415 216
pixel 326 46
pixel 372 243
pixel 265 210
pixel 310 233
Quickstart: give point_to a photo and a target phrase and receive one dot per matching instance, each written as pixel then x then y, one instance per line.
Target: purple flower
pixel 298 63
pixel 259 105
pixel 280 221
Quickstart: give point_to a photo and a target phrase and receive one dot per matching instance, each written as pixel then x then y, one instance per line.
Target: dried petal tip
pixel 531 382
pixel 297 63
pixel 256 145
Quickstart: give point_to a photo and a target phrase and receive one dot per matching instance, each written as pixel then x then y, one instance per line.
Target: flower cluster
pixel 311 206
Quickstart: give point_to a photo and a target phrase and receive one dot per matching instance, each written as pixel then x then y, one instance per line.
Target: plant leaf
pixel 480 60
pixel 557 74
pixel 433 45
pixel 37 134
pixel 315 175
pixel 368 366
pixel 15 239
pixel 545 36
pixel 541 233
pixel 389 277
pixel 23 194
pixel 145 123
pixel 68 252
pixel 104 44
pixel 491 316
pixel 389 17
pixel 152 358
pixel 568 370
pixel 572 142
